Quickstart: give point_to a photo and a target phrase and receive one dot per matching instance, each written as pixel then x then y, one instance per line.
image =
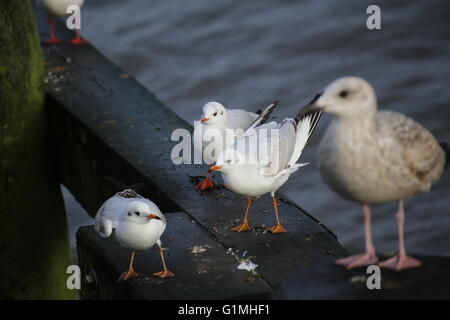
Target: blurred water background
pixel 248 53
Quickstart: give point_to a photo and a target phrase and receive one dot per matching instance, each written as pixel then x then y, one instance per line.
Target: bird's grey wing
pixel 108 214
pixel 276 145
pixel 240 119
pixel 418 148
pixel 103 225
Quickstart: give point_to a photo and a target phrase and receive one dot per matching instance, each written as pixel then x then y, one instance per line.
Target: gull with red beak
pixel 373 157
pixel 215 120
pixel 138 224
pixel 264 158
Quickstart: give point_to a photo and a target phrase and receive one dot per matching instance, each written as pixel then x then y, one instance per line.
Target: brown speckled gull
pixel 373 157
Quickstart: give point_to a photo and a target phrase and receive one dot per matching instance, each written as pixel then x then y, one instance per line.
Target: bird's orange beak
pixel 214 168
pixel 153 216
pixel 203 120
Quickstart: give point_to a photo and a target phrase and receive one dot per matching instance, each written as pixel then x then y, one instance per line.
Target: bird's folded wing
pixel 108 214
pixel 418 148
pixel 278 146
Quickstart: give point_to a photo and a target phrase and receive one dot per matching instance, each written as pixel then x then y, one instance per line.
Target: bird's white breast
pixel 247 180
pixel 59 7
pixel 362 165
pixel 139 236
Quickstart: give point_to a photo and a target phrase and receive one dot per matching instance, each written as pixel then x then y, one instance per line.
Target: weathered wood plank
pixel 106 124
pixel 328 281
pixel 210 274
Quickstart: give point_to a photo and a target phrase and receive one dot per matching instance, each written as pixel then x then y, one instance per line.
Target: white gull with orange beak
pixel 263 159
pixel 138 225
pixel 216 119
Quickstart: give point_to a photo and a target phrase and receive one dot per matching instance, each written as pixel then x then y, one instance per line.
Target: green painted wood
pixel 34 246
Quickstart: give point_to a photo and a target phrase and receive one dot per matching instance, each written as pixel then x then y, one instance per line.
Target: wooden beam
pixel 203 269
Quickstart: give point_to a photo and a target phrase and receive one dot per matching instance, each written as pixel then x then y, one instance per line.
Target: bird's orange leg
pixel 130 273
pixel 165 273
pixel 278 228
pixel 401 261
pixel 244 226
pixel 77 40
pixel 53 39
pixel 205 183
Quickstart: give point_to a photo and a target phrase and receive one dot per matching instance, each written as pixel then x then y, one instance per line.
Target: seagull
pixel 373 157
pixel 138 225
pixel 278 147
pixel 216 119
pixel 58 8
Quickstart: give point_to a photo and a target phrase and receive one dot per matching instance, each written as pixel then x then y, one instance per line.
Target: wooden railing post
pixel 34 244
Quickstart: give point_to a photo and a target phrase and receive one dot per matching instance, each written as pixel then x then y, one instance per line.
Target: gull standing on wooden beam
pixel 138 224
pixel 278 147
pixel 373 157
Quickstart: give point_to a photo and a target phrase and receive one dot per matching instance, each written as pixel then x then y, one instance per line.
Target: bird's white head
pixel 213 113
pixel 139 212
pixel 347 97
pixel 228 159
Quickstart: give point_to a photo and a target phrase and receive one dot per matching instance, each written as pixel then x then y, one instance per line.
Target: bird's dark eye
pixel 129 213
pixel 136 213
pixel 215 114
pixel 343 93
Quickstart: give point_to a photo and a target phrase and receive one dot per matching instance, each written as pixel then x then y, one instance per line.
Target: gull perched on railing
pixel 216 119
pixel 375 157
pixel 137 223
pixel 264 158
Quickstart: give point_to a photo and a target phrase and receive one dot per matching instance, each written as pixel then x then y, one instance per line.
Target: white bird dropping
pixel 138 225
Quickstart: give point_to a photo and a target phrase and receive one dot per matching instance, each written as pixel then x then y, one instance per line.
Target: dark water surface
pixel 248 53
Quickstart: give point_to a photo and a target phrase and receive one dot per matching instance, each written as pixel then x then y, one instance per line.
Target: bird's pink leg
pixel 77 39
pixel 370 257
pixel 53 39
pixel 401 261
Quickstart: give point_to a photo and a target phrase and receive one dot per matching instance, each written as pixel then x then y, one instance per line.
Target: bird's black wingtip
pixel 446 149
